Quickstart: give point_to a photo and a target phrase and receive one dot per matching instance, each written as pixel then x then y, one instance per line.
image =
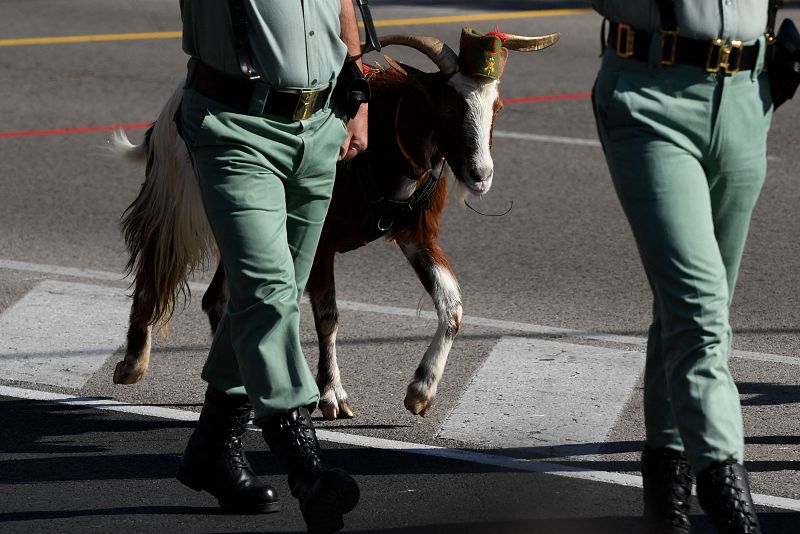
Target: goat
pixel 420 125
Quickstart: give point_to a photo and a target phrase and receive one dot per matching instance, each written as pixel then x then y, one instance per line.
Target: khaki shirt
pixel 293 43
pixel 744 20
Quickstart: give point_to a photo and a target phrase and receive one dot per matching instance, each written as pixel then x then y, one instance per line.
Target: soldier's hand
pixel 356 140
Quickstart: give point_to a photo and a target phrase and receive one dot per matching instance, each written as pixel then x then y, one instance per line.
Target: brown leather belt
pixel 713 56
pixel 239 93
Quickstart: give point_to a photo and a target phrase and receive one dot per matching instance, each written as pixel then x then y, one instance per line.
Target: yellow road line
pixel 480 17
pixel 379 23
pixel 90 38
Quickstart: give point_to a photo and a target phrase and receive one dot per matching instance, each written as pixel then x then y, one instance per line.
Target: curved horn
pixel 436 50
pixel 530 44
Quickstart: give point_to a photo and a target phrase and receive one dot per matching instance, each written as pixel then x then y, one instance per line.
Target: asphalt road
pixel 561 258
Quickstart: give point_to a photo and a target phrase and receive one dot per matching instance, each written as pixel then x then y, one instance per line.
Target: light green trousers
pixel 266 185
pixel 687 154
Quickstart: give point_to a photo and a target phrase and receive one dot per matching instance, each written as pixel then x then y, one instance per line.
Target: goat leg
pixel 434 271
pixel 137 353
pixel 333 402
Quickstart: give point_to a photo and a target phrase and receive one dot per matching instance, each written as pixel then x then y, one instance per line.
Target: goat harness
pixel 386 213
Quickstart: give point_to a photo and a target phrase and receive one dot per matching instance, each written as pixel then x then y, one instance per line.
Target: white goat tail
pixel 121 146
pixel 165 228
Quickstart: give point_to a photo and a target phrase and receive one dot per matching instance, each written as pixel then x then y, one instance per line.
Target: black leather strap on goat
pixel 385 213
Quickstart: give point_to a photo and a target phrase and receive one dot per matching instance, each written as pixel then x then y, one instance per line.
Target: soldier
pixel 264 138
pixel 683 107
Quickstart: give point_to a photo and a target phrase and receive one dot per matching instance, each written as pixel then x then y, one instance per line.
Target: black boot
pixel 325 494
pixel 214 460
pixel 724 493
pixel 667 482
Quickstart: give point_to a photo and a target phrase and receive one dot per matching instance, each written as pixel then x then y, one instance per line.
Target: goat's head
pixel 463 96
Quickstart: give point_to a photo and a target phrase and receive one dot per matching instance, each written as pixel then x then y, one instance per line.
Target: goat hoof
pixel 345 411
pixel 416 405
pixel 127 373
pixel 419 397
pixel 331 411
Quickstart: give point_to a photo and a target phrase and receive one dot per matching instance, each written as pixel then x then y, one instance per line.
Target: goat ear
pixel 406 70
pixel 395 65
pixel 503 60
pixel 530 44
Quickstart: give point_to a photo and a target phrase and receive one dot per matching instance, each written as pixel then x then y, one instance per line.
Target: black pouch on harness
pixel 352 88
pixel 784 63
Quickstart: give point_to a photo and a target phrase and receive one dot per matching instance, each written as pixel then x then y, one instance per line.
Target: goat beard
pixel 460 191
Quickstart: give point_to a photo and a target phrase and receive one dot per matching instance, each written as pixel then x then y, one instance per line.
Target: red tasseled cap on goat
pixel 497 33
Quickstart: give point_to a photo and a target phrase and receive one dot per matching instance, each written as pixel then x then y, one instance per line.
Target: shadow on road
pixel 768 394
pixel 52 442
pixel 772 522
pixel 44 445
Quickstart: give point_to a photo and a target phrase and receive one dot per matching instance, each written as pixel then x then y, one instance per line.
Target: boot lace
pixel 739 515
pixel 234 451
pixel 303 440
pixel 670 485
pixel 678 485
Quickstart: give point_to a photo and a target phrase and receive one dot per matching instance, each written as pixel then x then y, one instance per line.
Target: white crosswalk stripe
pixel 60 333
pixel 544 394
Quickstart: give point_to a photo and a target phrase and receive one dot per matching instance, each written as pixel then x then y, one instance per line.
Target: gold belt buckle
pixel 723 54
pixel 628 41
pixel 669 43
pixel 306 102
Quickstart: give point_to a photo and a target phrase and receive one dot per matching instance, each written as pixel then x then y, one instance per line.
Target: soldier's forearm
pixel 349 28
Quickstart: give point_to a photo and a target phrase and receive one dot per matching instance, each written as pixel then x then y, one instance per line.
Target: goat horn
pixel 441 54
pixel 530 44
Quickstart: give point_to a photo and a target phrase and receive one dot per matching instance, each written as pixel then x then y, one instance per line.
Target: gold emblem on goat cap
pixel 485 55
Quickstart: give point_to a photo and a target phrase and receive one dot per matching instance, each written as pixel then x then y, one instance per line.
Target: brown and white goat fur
pixel 416 122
